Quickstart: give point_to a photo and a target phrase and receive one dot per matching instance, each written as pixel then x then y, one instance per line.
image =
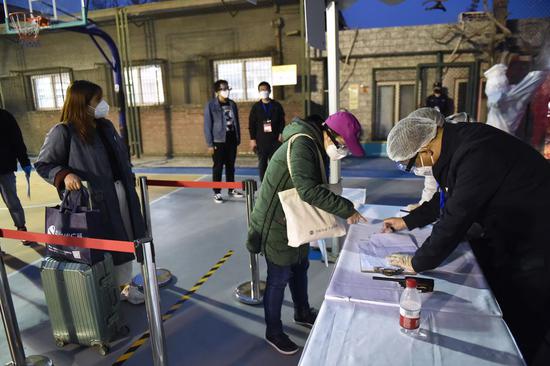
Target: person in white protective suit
pixel 507 103
pixel 430 184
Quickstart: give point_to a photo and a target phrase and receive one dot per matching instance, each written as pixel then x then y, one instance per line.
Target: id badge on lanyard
pixel 267 123
pixel 267 126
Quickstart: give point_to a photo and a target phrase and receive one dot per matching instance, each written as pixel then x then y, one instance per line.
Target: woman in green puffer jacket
pixel 267 232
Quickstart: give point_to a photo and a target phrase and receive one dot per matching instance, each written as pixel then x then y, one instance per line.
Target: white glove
pixel 401 260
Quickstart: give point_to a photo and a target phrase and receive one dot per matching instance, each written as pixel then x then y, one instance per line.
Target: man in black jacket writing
pixel 492 179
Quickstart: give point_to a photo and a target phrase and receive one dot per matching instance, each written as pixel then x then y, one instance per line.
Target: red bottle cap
pixel 411 282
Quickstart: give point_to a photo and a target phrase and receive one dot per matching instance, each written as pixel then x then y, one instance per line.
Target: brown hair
pixel 76 108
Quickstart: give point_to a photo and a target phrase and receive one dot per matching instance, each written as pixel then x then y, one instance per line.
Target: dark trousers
pixel 543 354
pixel 225 154
pixel 525 302
pixel 277 279
pixel 523 296
pixel 264 155
pixel 9 195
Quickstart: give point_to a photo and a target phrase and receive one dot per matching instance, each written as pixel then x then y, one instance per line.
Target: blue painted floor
pixel 191 234
pixel 351 168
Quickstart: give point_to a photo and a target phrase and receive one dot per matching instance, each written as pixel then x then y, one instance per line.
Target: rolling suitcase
pixel 83 302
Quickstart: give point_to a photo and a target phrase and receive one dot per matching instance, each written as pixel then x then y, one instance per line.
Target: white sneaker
pixel 236 194
pixel 132 294
pixel 218 198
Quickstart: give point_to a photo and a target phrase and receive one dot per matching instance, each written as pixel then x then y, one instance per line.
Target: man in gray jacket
pixel 223 134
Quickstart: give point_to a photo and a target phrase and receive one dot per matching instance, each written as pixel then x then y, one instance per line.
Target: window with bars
pixel 394 101
pixel 49 90
pixel 147 85
pixel 243 76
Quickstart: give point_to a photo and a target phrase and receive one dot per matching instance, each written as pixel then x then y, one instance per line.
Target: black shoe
pixel 26 242
pixel 282 344
pixel 306 317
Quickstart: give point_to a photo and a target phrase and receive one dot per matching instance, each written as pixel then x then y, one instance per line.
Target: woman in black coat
pixel 85 146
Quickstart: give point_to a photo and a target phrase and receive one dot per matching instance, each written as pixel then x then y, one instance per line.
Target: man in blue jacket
pixel 12 149
pixel 223 134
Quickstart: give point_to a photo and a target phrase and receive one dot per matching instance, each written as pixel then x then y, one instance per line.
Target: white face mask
pixel 264 94
pixel 423 171
pixel 101 110
pixel 335 153
pixel 224 93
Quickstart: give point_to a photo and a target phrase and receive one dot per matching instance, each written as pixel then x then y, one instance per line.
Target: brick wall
pixel 173 131
pixel 187 45
pixel 395 47
pixel 391 47
pixel 181 128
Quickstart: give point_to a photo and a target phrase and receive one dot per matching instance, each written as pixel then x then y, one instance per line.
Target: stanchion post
pixel 8 317
pixel 163 274
pixel 146 257
pixel 11 327
pixel 251 292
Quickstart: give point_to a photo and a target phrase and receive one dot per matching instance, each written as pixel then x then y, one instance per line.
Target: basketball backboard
pixel 52 14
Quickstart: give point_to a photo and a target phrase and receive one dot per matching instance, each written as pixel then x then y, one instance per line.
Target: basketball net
pixel 27 27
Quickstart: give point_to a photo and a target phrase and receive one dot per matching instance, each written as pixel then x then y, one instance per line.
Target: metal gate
pixel 459 80
pixel 397 91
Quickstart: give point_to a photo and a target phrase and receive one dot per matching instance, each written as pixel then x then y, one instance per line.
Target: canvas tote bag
pixel 304 222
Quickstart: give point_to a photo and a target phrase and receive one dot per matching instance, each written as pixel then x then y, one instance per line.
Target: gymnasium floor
pixel 191 234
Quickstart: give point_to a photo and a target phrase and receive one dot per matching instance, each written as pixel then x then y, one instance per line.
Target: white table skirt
pixel 358 334
pixel 358 324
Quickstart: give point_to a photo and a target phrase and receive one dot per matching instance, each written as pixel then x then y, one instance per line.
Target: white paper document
pixel 375 249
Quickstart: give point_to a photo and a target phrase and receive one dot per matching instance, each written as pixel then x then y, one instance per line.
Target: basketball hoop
pixel 27 27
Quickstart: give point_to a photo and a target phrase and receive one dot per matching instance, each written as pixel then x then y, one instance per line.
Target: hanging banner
pixel 314 12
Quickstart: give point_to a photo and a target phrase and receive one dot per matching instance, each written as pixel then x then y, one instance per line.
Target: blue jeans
pixel 277 279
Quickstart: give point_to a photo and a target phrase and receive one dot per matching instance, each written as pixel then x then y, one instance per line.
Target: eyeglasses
pixel 332 136
pixel 226 88
pixel 411 162
pixel 407 167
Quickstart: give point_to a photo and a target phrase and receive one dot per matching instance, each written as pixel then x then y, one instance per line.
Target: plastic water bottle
pixel 409 308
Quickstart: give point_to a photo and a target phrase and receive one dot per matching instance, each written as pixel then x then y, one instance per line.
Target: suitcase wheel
pixel 102 349
pixel 60 343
